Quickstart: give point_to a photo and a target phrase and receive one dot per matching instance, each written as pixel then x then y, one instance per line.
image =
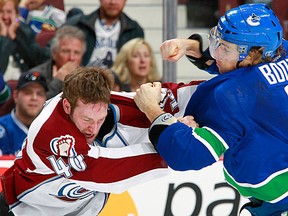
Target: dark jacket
pixel 54 85
pixel 26 52
pixel 129 29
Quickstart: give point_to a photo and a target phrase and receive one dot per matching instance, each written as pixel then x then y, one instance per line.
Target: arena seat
pixel 44 37
pixel 56 3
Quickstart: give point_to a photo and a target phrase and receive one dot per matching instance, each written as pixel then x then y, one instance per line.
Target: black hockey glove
pixel 204 50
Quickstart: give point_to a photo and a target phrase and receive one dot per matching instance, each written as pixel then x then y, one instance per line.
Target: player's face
pixel 225 53
pixel 29 100
pixel 88 118
pixel 111 9
pixel 8 12
pixel 139 63
pixel 70 50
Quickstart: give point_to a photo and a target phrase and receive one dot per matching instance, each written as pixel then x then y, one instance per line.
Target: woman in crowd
pixel 135 64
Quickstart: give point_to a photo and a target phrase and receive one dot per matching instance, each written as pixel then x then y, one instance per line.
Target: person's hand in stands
pixel 31 4
pixel 64 70
pixel 3 28
pixel 9 25
pixel 12 28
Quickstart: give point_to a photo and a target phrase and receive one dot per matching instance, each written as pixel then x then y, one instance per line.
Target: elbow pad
pixel 159 125
pixel 204 50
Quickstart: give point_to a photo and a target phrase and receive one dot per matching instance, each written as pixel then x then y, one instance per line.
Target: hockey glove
pixel 204 50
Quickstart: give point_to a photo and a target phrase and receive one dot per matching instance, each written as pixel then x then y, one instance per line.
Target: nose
pixel 72 56
pixel 34 95
pixel 5 16
pixel 93 128
pixel 218 54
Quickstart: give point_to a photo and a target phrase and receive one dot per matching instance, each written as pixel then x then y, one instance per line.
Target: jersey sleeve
pixel 183 147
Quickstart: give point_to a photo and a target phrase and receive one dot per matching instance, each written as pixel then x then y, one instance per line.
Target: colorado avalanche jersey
pixel 242 114
pixel 57 171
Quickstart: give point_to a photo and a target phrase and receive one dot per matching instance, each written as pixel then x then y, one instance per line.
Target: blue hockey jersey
pixel 242 114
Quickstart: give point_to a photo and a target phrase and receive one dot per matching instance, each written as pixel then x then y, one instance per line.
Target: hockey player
pixel 61 170
pixel 242 112
pixel 71 177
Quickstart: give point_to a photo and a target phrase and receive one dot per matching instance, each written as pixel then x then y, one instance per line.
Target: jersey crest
pixel 63 146
pixel 72 192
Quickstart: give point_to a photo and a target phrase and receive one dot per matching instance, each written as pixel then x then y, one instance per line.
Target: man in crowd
pixel 29 97
pixel 67 49
pixel 106 30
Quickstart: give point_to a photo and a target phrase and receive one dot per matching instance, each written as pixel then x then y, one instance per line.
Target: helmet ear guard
pixel 251 25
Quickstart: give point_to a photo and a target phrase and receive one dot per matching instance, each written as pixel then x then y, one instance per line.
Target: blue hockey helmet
pixel 251 25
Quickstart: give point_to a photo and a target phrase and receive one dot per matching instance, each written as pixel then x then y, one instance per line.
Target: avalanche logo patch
pixel 63 146
pixel 253 20
pixel 72 192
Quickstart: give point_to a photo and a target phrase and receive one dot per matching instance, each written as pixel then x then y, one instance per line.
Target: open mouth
pixel 89 135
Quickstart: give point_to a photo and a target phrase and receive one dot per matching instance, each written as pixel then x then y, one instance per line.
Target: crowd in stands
pixel 41 44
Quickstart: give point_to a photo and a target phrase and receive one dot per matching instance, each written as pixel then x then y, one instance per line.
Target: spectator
pixel 63 164
pixel 29 97
pixel 135 64
pixel 242 112
pixel 106 30
pixel 40 16
pixel 67 49
pixel 18 49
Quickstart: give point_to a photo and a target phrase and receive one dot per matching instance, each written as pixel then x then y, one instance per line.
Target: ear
pixel 66 106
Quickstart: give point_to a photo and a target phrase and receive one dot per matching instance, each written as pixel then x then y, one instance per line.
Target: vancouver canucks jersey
pixel 242 114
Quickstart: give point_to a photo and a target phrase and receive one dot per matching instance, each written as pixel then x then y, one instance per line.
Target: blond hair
pixel 120 66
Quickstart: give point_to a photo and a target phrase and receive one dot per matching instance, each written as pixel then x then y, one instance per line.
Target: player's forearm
pixel 153 112
pixel 192 48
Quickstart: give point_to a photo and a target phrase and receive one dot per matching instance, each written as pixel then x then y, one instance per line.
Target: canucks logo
pixel 253 20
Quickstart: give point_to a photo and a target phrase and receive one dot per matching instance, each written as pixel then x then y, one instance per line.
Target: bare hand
pixel 64 70
pixel 189 121
pixel 3 27
pixel 12 28
pixel 173 49
pixel 147 99
pixel 30 4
